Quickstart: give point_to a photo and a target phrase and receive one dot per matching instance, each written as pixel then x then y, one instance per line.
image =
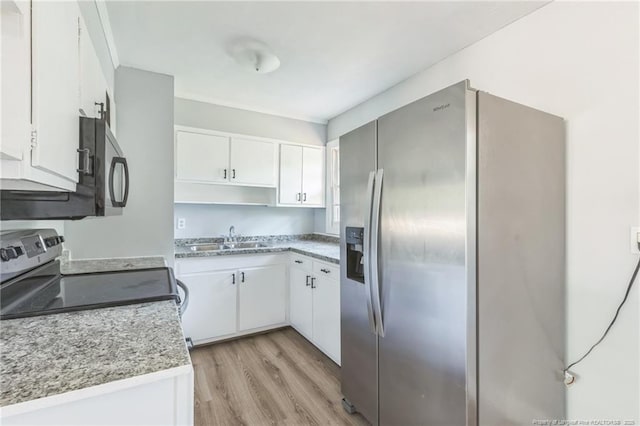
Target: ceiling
pixel 334 55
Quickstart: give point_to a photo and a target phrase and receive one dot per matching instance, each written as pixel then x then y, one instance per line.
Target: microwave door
pixel 116 191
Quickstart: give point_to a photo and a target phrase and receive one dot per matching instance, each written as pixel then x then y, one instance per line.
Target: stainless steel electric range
pixel 33 285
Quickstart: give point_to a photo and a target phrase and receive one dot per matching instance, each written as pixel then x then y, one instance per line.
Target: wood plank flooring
pixel 278 378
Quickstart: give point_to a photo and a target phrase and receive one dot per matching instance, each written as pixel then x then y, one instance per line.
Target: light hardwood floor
pixel 278 378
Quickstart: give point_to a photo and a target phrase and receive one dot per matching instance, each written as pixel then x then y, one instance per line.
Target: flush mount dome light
pixel 253 55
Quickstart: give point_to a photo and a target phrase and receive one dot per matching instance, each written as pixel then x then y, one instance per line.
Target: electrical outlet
pixel 634 239
pixel 182 223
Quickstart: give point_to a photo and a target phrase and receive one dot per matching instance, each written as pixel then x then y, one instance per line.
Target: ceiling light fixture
pixel 253 55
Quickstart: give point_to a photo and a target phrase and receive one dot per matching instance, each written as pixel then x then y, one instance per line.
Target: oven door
pixel 116 188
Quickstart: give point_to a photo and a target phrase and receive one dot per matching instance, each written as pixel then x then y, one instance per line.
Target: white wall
pixel 145 133
pixel 578 60
pixel 204 220
pixel 259 220
pixel 234 120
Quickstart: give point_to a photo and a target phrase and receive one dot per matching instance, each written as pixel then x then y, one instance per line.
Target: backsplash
pixel 206 220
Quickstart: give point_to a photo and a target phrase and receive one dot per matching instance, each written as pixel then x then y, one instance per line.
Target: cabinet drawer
pixel 326 270
pixel 300 261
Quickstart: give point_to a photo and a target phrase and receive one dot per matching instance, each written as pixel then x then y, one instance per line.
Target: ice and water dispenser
pixel 354 238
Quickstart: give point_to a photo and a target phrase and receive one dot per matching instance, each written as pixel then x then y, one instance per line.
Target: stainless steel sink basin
pixel 245 245
pixel 206 247
pixel 227 246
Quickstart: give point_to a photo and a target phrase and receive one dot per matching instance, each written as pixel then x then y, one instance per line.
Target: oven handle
pixel 185 301
pixel 123 161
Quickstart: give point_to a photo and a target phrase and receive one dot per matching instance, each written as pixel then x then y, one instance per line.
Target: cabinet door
pixel 56 87
pixel 312 176
pixel 262 296
pixel 290 174
pixel 212 305
pixel 202 157
pixel 300 302
pixel 326 316
pixel 93 86
pixel 253 162
pixel 15 57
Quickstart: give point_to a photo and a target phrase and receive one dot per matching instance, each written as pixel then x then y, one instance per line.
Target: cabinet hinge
pixel 34 139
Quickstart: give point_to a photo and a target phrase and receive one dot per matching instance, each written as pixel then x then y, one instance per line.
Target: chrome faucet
pixel 232 233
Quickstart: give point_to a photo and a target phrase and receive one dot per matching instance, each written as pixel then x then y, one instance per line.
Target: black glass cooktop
pixel 45 291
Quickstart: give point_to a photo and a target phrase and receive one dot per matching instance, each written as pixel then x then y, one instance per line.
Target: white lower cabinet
pixel 314 308
pixel 326 316
pixel 263 297
pixel 241 294
pixel 233 295
pixel 300 301
pixel 212 305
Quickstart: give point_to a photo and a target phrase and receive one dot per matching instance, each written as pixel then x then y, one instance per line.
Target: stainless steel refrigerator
pixel 453 248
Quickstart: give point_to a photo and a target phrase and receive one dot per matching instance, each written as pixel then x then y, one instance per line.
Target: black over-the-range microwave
pixel 103 186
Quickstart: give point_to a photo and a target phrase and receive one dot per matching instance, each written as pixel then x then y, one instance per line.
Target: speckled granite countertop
pixel 83 266
pixel 53 354
pixel 318 246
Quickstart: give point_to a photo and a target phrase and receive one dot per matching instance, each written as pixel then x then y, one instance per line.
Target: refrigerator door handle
pixel 366 248
pixel 375 241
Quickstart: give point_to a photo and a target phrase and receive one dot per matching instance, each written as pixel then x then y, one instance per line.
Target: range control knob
pixel 11 253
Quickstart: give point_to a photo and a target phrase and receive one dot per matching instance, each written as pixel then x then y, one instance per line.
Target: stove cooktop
pixel 45 291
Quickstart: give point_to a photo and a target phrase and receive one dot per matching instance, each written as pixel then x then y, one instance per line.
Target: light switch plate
pixel 633 239
pixel 182 223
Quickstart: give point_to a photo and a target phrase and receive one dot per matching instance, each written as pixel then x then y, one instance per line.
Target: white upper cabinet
pixel 246 170
pixel 206 157
pixel 202 157
pixel 290 174
pixel 56 88
pixel 40 95
pixel 253 162
pixel 301 176
pixel 312 176
pixel 15 56
pixel 93 84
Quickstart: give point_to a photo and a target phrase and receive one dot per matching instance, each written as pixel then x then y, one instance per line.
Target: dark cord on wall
pixel 615 317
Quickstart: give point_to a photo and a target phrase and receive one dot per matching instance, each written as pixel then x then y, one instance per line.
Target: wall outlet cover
pixel 182 223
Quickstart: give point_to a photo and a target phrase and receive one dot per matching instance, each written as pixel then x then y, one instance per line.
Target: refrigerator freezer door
pixel 422 148
pixel 358 339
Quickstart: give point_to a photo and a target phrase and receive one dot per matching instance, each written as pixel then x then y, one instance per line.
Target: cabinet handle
pixel 233 278
pixel 233 173
pixel 298 261
pixel 308 276
pixel 313 280
pixel 242 277
pixel 225 174
pixel 297 196
pixel 304 197
pixel 326 271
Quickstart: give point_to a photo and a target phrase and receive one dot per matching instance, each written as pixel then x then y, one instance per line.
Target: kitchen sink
pixel 245 245
pixel 226 246
pixel 206 247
